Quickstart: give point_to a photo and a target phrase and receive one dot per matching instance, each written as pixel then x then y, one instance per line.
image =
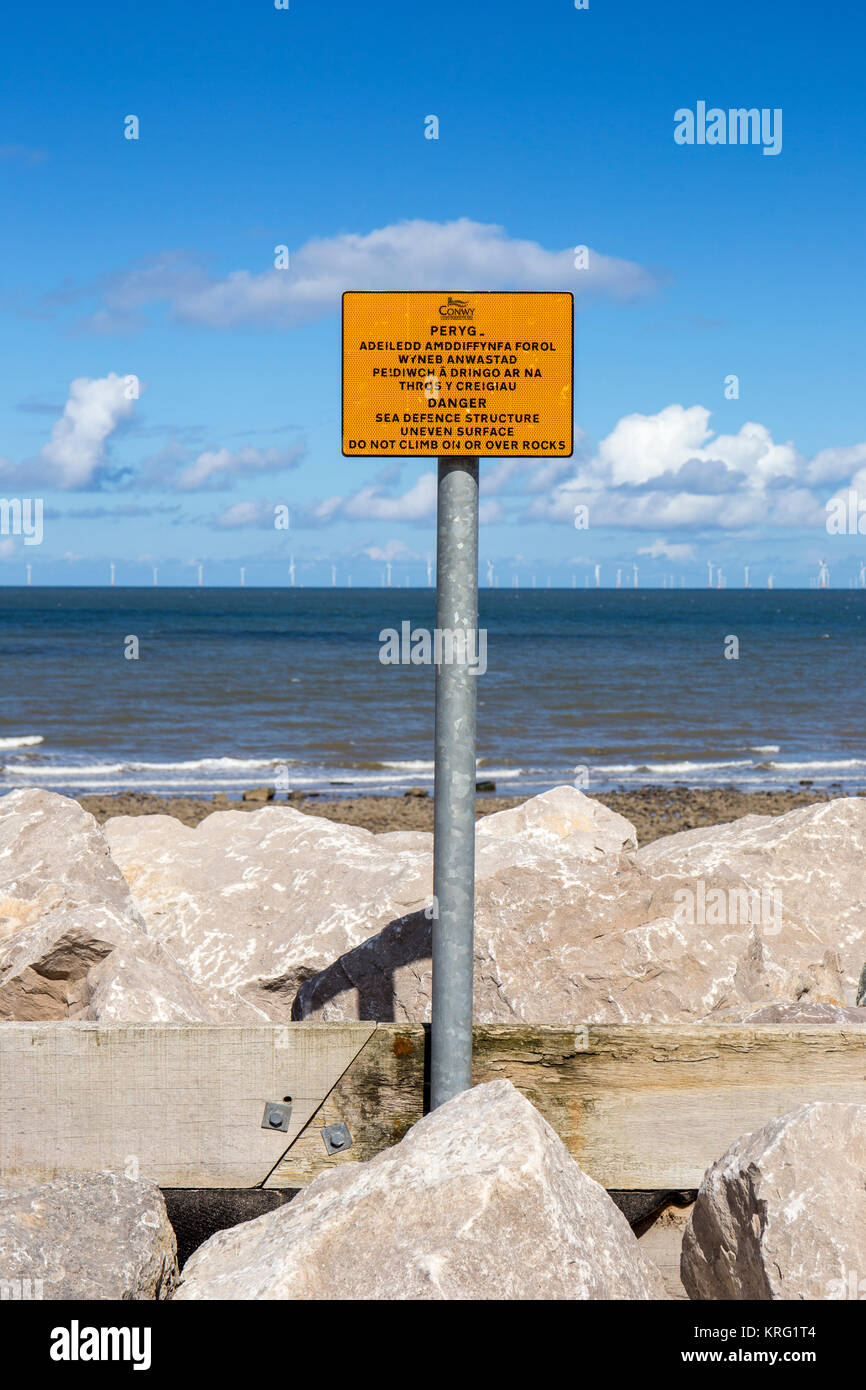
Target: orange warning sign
pixel 487 373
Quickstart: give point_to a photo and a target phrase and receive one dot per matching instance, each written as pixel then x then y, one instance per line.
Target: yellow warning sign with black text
pixel 488 373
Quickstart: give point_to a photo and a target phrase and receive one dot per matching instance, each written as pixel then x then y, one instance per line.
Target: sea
pixel 189 691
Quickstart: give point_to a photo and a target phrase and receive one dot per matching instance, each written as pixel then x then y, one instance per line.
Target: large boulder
pixel 559 828
pixel 72 943
pixel 480 1200
pixel 811 860
pixel 64 905
pixel 782 1215
pixel 141 983
pixel 256 902
pixel 54 860
pixel 604 942
pixel 227 920
pixel 85 1236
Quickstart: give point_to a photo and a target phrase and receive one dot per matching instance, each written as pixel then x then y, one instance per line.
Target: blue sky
pixel 305 127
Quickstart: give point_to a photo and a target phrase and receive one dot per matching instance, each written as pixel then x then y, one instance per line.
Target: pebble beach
pixel 654 811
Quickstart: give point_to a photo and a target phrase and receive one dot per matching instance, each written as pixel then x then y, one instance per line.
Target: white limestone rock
pixel 559 828
pixel 603 943
pixel 782 1214
pixel 256 902
pixel 72 944
pixel 811 858
pixel 85 1236
pixel 480 1200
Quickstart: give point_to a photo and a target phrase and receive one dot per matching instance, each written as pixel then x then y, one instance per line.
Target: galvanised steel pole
pixel 454 783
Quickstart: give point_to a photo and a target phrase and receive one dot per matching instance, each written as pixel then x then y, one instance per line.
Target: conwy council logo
pixel 456 309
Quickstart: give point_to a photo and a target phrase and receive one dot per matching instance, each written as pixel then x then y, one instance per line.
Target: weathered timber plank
pixel 379 1097
pixel 639 1107
pixel 181 1104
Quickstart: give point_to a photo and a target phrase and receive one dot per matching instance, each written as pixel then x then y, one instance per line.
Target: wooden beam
pixel 639 1106
pixel 181 1104
pixel 379 1097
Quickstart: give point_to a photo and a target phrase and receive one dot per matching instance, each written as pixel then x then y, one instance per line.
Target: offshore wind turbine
pixel 863 574
pixel 200 576
pixel 634 567
pixel 619 578
pixel 29 575
pixel 823 576
pixel 291 571
pixel 243 576
pixel 598 576
pixel 429 572
pixel 111 574
pixel 155 577
pixel 490 574
pixel 333 576
pixel 388 568
pixel 769 581
pixel 746 585
pixel 710 567
pixel 720 579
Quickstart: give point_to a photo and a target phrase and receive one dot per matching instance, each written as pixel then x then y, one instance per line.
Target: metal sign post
pixel 502 365
pixel 454 782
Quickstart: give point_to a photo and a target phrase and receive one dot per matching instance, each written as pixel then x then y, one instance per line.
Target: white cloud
pixel 391 550
pixel 509 475
pixel 76 452
pixel 218 468
pixel 372 504
pixel 243 514
pixel 416 254
pixel 836 465
pixel 641 447
pixel 653 473
pixel 670 471
pixel 682 553
pixel 490 512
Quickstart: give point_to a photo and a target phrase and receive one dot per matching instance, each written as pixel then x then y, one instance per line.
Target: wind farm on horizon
pixel 716 579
